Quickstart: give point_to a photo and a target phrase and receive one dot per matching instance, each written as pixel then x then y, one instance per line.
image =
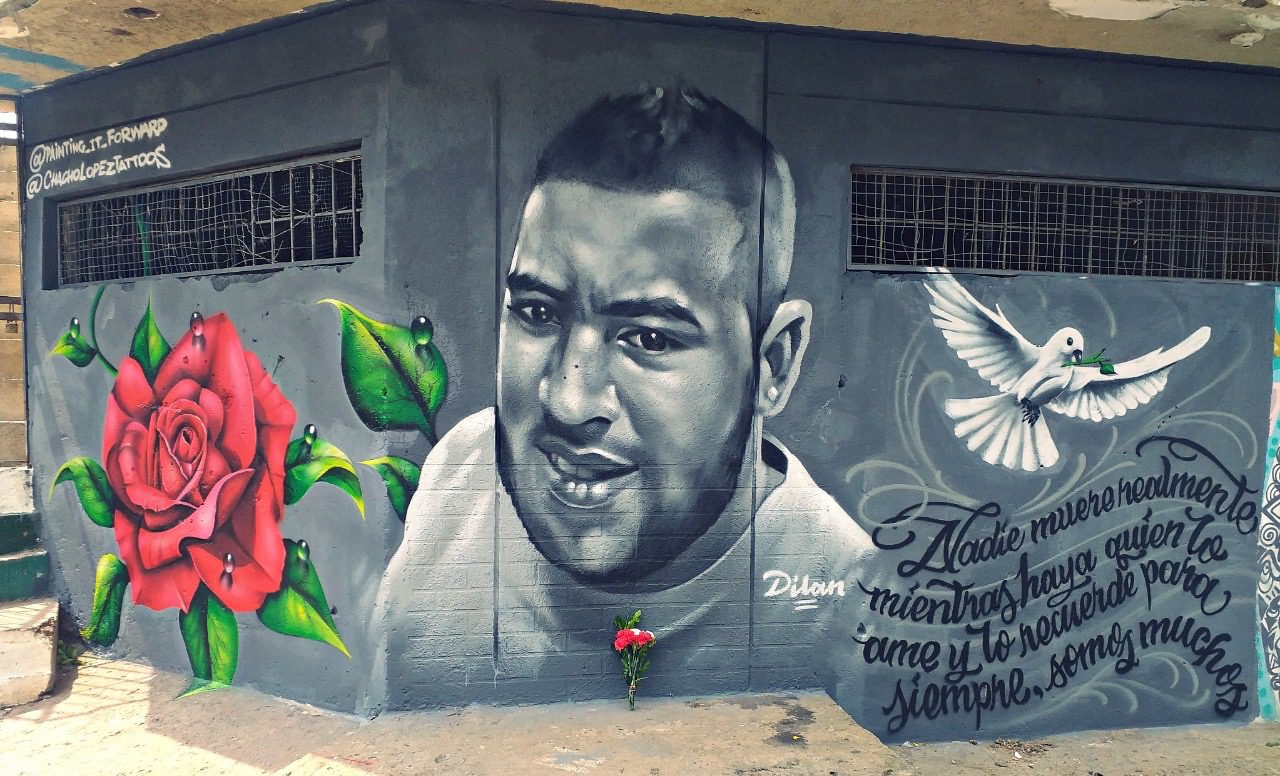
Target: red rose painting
pixel 199 470
pixel 196 462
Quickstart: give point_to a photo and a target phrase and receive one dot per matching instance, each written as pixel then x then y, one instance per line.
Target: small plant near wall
pixel 199 467
pixel 632 646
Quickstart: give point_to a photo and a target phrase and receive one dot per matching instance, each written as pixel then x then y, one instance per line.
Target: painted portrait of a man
pixel 645 336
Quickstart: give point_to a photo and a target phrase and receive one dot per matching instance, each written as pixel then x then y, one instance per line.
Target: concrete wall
pixel 13 407
pixel 772 530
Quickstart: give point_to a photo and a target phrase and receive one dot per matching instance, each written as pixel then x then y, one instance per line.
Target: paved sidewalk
pixel 117 717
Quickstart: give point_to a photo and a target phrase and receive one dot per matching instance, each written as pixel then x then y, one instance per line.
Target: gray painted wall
pixel 451 104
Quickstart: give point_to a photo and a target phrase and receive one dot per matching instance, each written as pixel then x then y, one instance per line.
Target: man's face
pixel 625 391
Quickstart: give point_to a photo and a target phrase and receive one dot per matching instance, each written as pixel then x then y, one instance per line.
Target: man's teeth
pixel 594 490
pixel 579 473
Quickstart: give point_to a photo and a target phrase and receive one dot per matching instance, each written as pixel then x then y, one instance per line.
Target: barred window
pixel 305 210
pixel 1000 222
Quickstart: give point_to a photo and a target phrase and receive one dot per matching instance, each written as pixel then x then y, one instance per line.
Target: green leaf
pixel 198 686
pixel 95 492
pixel 401 477
pixel 299 607
pixel 309 460
pixel 108 599
pixel 212 637
pixel 149 345
pixel 395 376
pixel 77 350
pixel 1107 368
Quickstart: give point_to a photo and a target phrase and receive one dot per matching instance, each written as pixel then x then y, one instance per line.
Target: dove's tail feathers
pixel 995 428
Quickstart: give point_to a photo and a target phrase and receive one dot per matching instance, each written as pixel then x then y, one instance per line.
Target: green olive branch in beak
pixel 1104 364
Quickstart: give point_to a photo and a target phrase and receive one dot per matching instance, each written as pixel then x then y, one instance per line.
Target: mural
pixel 640 350
pixel 1086 593
pixel 1007 429
pixel 647 335
pixel 199 468
pixel 1269 546
pixel 922 491
pixel 396 380
pixel 43 158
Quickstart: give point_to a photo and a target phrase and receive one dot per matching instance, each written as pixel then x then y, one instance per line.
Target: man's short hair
pixel 660 140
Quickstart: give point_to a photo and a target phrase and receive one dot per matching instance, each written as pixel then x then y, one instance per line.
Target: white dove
pixel 1006 429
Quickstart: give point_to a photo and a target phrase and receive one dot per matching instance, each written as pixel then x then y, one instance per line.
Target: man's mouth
pixel 585 480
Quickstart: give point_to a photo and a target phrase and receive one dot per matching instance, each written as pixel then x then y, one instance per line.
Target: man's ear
pixel 781 353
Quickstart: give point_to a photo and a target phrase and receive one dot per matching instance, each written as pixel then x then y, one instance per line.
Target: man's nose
pixel 577 388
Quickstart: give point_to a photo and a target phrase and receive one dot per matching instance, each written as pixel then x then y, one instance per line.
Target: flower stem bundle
pixel 632 646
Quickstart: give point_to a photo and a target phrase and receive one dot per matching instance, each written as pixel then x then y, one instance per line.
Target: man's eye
pixel 649 339
pixel 537 313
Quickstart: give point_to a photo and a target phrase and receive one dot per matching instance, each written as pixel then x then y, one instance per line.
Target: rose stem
pixel 93 334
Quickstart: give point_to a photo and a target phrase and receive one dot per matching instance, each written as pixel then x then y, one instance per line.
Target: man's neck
pixel 763 470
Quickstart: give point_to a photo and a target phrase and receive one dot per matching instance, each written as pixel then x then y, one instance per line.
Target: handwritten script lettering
pixel 988 611
pixel 44 178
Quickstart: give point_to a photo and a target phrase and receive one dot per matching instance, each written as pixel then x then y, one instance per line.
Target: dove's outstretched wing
pixel 1094 396
pixel 982 337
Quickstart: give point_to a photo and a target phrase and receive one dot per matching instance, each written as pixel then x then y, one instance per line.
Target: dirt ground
pixel 116 717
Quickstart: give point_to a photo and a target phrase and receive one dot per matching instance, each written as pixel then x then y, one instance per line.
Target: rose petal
pixel 257 549
pixel 128 459
pixel 186 389
pixel 177 474
pixel 261 535
pixel 276 416
pixel 121 472
pixel 246 587
pixel 229 379
pixel 158 509
pixel 161 588
pixel 213 413
pixel 156 548
pixel 216 361
pixel 132 392
pixel 178 412
pixel 215 468
pixel 186 361
pixel 187 445
pixel 150 499
pixel 154 519
pixel 169 471
pixel 116 424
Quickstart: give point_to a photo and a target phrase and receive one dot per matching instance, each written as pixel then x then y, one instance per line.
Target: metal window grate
pixel 302 211
pixel 934 219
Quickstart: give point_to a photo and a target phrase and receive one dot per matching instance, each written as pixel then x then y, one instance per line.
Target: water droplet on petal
pixel 309 434
pixel 75 327
pixel 228 566
pixel 197 324
pixel 304 551
pixel 422 330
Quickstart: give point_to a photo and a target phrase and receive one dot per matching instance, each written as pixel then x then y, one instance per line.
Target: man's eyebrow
pixel 522 282
pixel 655 307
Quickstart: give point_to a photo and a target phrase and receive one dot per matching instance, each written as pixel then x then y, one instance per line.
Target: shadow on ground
pixel 116 717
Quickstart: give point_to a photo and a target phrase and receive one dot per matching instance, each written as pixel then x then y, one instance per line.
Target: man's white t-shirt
pixel 472 611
